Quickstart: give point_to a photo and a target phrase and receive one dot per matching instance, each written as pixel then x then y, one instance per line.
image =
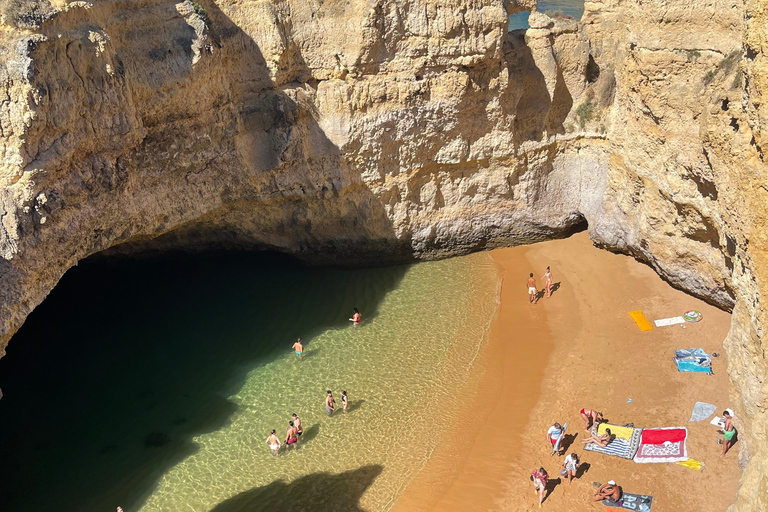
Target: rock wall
pixel 391 130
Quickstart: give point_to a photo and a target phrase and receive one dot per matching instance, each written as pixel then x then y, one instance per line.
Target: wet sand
pixel 580 348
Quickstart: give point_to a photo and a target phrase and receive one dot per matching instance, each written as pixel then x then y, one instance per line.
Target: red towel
pixel 659 436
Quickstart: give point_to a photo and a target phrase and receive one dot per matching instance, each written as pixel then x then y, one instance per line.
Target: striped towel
pixel 624 445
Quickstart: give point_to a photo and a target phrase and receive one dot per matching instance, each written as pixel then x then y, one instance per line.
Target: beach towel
pixel 640 320
pixel 718 421
pixel 669 321
pixel 662 445
pixel 629 501
pixel 624 445
pixel 691 463
pixel 702 411
pixel 693 360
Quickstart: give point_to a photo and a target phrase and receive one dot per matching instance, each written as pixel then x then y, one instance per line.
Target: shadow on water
pixel 127 360
pixel 318 492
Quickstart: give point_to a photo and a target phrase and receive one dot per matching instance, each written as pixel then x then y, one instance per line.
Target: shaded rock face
pixel 390 130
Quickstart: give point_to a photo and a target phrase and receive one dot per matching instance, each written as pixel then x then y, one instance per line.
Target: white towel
pixel 669 321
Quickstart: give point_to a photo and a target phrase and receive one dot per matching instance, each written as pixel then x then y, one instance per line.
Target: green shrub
pixel 693 54
pixel 710 76
pixel 200 11
pixel 27 13
pixel 584 113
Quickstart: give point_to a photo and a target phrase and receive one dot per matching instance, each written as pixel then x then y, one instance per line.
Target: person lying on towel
pixel 602 440
pixel 610 493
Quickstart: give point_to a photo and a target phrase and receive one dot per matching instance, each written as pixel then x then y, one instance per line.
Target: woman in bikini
pixel 602 440
pixel 547 281
pixel 344 402
pixel 357 317
pixel 274 443
pixel 590 417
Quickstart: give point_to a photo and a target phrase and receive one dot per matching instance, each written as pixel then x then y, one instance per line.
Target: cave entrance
pixel 572 8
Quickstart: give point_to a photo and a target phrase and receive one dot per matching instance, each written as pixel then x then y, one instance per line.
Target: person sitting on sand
pixel 273 442
pixel 540 478
pixel 291 435
pixel 610 493
pixel 357 317
pixel 602 440
pixel 570 467
pixel 728 432
pixel 547 282
pixel 590 417
pixel 554 432
pixel 330 403
pixel 531 288
pixel 298 348
pixel 297 424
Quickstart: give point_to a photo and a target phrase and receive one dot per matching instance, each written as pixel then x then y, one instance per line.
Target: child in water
pixel 357 317
pixel 344 402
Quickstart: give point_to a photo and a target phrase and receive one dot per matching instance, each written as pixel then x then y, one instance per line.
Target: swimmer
pixel 273 442
pixel 344 402
pixel 547 281
pixel 330 403
pixel 531 288
pixel 291 436
pixel 298 348
pixel 357 317
pixel 297 424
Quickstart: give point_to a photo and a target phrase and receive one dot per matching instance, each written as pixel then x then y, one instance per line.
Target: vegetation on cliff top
pixel 26 13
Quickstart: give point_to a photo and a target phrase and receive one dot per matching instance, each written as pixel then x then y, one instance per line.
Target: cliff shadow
pixel 127 360
pixel 311 493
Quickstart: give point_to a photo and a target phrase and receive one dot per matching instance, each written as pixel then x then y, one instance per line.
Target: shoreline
pixel 579 348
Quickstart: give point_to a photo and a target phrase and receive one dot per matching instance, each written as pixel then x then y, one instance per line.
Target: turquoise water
pixel 573 8
pixel 153 384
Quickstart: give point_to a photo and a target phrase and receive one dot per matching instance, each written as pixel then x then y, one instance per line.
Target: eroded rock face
pixel 388 130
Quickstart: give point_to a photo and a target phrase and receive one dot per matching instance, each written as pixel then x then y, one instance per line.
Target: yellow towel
pixel 619 432
pixel 690 463
pixel 640 320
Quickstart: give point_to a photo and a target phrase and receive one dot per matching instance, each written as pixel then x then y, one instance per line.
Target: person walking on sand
pixel 540 478
pixel 298 348
pixel 297 424
pixel 548 281
pixel 728 432
pixel 570 467
pixel 610 493
pixel 554 432
pixel 291 436
pixel 531 288
pixel 273 442
pixel 330 403
pixel 357 317
pixel 344 402
pixel 590 417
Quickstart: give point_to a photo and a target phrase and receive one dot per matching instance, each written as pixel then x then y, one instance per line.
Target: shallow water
pixel 573 8
pixel 153 384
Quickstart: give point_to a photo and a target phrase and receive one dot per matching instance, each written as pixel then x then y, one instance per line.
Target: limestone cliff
pixel 388 130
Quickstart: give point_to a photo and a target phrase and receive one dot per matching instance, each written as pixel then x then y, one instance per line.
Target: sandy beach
pixel 580 348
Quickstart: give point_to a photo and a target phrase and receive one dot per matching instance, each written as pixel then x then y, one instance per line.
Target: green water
pixel 574 8
pixel 153 384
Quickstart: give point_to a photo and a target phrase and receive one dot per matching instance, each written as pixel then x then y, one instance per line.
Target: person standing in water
pixel 291 436
pixel 298 348
pixel 273 442
pixel 330 403
pixel 548 281
pixel 728 432
pixel 344 402
pixel 531 288
pixel 356 317
pixel 297 424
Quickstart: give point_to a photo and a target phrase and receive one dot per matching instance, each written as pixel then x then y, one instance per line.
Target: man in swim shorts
pixel 610 493
pixel 728 432
pixel 273 442
pixel 554 433
pixel 531 288
pixel 298 348
pixel 330 403
pixel 291 436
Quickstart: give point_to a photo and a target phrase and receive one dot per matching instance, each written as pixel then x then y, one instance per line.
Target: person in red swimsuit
pixel 291 435
pixel 357 317
pixel 590 417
